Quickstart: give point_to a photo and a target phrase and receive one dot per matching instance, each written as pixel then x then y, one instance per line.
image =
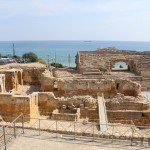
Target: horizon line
pixel 76 40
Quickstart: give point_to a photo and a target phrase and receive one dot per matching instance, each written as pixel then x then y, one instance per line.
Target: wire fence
pixel 9 132
pixel 89 131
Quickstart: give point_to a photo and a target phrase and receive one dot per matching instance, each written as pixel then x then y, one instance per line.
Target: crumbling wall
pixel 121 102
pixel 12 106
pixel 13 78
pixel 118 108
pixel 48 102
pixel 139 118
pixel 90 113
pixel 57 115
pixel 127 87
pixel 105 57
pixel 47 81
pixel 72 86
pixel 32 75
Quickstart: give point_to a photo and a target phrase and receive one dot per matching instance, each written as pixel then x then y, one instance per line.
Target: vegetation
pixel 57 65
pixel 42 61
pixel 30 57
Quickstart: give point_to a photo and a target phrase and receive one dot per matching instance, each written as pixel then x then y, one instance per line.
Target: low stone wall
pixel 117 110
pixel 91 114
pixel 139 118
pixel 127 106
pixel 48 102
pixel 56 115
pixel 12 106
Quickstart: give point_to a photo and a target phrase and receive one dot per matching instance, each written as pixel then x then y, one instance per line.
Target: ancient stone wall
pixel 139 118
pixel 12 106
pixel 13 78
pixel 118 109
pixel 48 102
pixel 72 116
pixel 32 75
pixel 102 60
pixel 73 86
pixel 47 81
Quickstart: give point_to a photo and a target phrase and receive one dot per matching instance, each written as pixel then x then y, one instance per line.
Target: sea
pixel 64 52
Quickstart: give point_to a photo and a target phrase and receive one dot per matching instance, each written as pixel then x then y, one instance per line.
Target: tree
pixel 30 57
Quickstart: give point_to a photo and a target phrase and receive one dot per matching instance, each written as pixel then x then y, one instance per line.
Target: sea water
pixel 60 50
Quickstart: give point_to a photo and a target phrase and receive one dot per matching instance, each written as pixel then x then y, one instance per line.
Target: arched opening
pixel 120 66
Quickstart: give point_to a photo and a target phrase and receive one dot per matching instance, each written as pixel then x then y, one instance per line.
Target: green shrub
pixel 57 65
pixel 42 61
pixel 30 57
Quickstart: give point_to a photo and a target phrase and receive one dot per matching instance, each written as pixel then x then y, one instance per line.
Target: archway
pixel 120 66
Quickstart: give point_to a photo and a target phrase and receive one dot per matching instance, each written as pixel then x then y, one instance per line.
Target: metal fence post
pixel 113 133
pixel 23 123
pixel 132 136
pixel 93 130
pixel 56 130
pixel 14 129
pixel 39 125
pixel 74 130
pixel 4 137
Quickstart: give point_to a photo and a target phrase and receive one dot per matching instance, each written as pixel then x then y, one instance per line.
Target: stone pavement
pixel 37 143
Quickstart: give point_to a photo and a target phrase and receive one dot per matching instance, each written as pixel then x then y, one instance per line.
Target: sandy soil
pixel 22 65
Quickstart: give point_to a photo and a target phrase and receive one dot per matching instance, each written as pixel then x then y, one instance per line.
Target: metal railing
pixel 9 131
pixel 88 131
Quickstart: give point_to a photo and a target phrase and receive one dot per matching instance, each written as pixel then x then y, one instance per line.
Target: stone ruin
pixel 99 63
pixel 71 94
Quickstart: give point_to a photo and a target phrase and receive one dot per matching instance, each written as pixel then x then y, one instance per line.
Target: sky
pixel 102 20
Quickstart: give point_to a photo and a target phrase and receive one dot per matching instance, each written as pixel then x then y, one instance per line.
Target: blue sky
pixel 106 20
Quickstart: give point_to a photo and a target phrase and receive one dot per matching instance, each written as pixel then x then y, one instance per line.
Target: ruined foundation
pixel 71 93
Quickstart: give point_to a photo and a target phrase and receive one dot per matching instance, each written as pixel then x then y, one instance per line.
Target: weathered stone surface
pixel 73 86
pixel 47 80
pixel 48 102
pixel 103 59
pixel 13 77
pixel 12 106
pixel 66 114
pixel 32 75
pixel 127 87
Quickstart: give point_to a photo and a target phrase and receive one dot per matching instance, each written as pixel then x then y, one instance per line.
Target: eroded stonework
pixel 102 60
pixel 71 93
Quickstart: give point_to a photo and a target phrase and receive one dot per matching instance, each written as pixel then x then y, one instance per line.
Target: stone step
pixel 92 73
pixel 143 88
